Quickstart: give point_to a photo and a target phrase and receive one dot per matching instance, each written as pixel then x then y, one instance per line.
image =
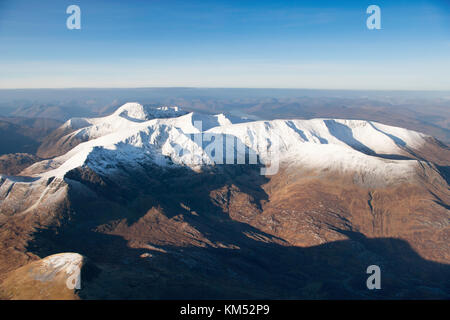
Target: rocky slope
pixel 14 163
pixel 149 200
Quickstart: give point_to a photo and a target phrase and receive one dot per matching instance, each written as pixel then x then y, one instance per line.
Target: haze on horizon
pixel 264 44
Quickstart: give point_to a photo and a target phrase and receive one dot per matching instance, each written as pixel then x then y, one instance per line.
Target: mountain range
pixel 165 203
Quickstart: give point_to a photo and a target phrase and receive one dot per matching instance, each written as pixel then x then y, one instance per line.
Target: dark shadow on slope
pixel 345 134
pixel 399 142
pixel 446 206
pixel 444 171
pixel 302 135
pixel 20 178
pixel 292 125
pixel 258 270
pixel 246 268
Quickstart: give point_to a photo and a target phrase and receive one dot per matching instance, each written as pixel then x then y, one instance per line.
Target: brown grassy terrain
pixel 231 233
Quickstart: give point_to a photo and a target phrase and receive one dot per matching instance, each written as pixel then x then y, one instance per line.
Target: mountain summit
pixel 138 112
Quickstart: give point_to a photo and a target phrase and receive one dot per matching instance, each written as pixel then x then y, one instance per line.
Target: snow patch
pixel 67 264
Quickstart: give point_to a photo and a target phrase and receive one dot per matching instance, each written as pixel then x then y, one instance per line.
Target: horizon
pixel 228 88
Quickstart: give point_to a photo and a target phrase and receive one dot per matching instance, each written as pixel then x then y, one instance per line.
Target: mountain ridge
pixel 128 199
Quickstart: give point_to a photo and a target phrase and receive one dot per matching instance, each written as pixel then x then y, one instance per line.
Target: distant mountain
pixel 50 111
pixel 427 112
pixel 169 204
pixel 24 134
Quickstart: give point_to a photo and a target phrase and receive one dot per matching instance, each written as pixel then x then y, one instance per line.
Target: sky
pixel 240 44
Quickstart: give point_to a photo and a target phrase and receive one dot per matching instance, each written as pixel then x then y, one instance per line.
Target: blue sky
pixel 258 44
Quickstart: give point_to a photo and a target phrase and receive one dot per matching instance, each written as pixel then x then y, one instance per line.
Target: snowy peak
pixel 131 111
pixel 76 123
pixel 137 112
pixel 128 117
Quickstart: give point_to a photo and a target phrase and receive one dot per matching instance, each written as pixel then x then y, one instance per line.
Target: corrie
pixel 192 310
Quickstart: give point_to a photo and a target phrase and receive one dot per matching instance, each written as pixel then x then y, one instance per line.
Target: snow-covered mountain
pixel 371 154
pixel 135 134
pixel 152 186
